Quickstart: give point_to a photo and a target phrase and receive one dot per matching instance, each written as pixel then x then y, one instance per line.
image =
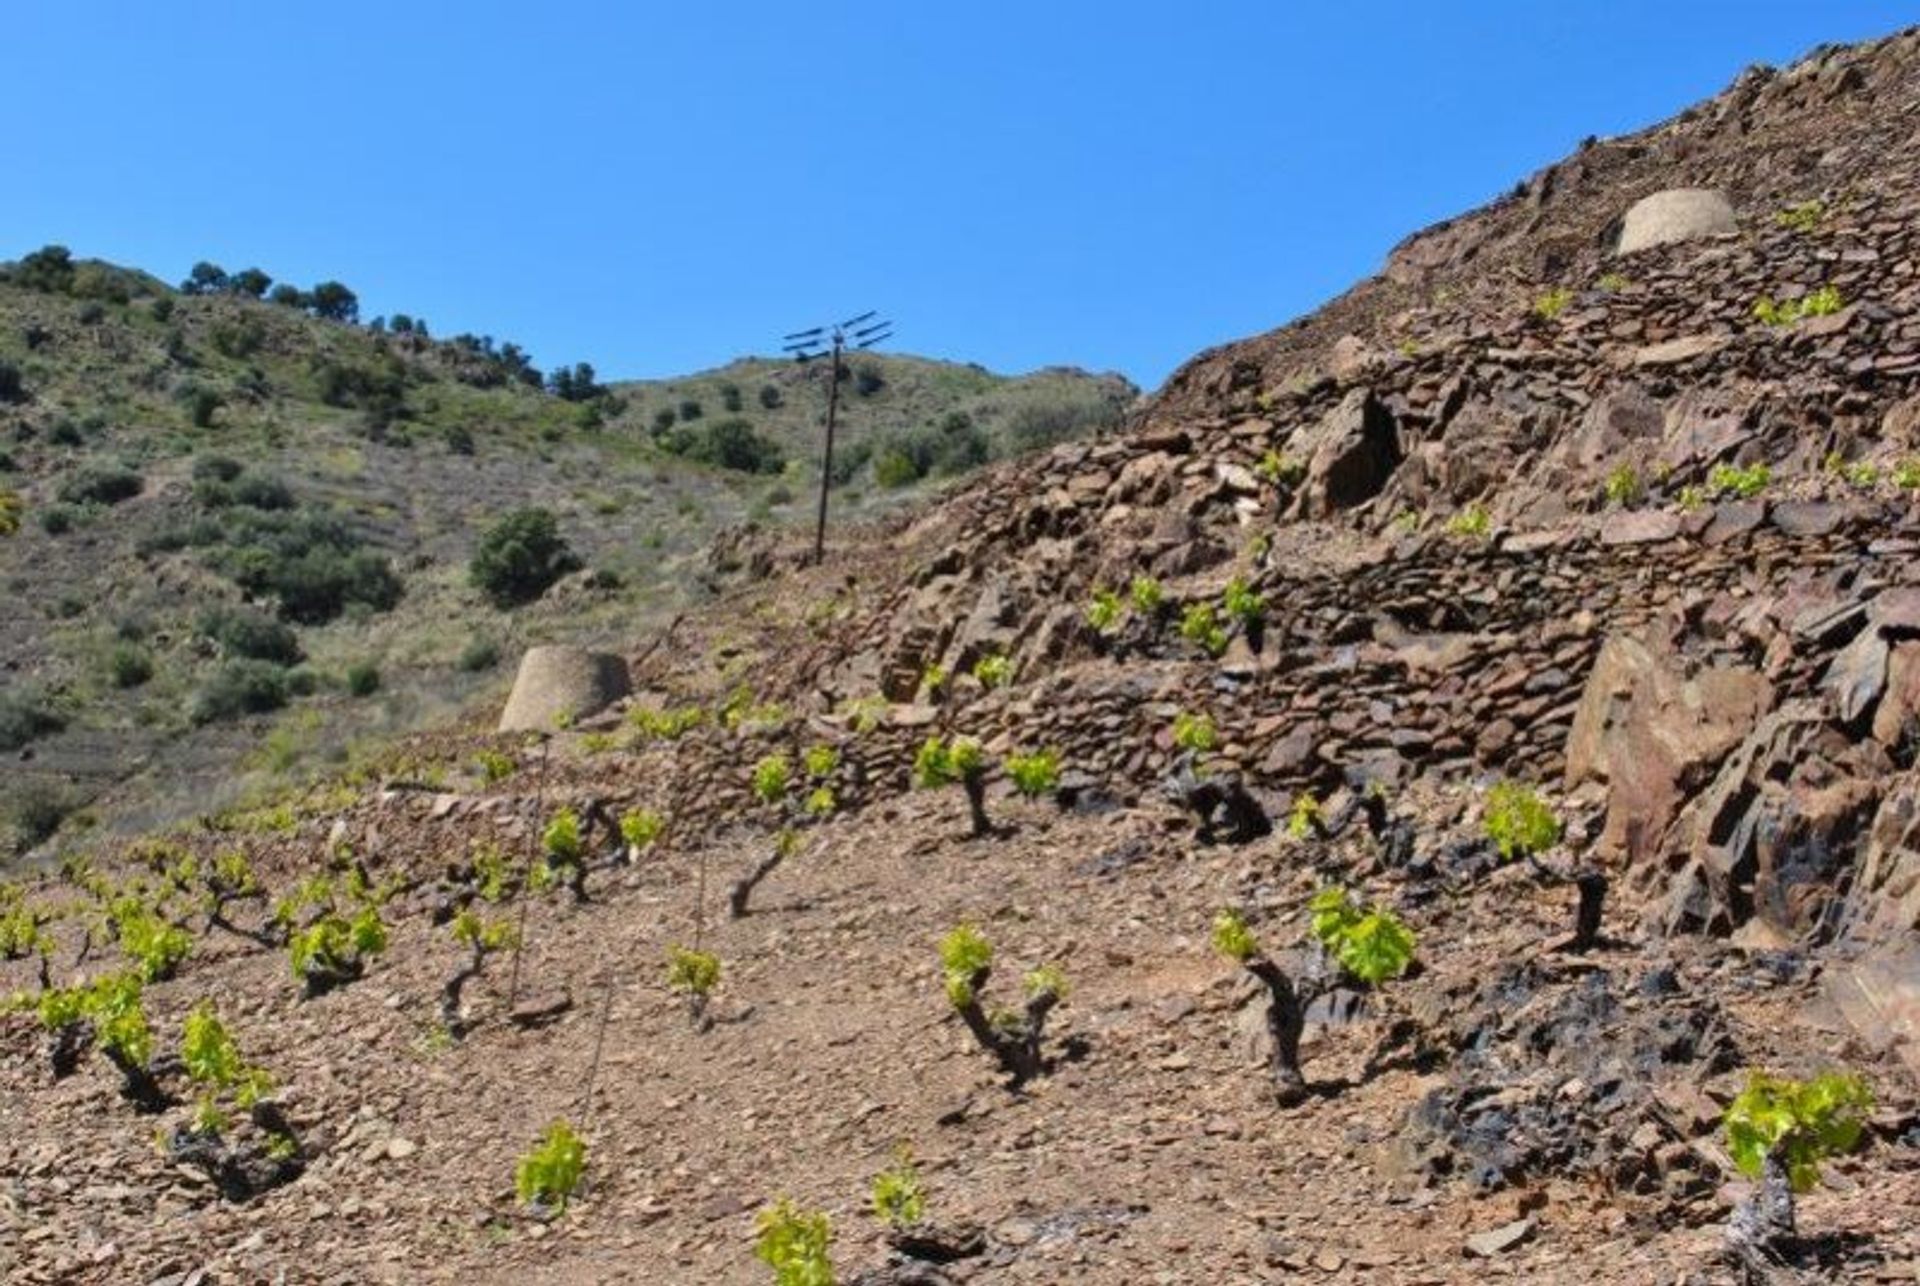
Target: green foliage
pixel 1046 980
pixel 20 933
pixel 336 946
pixel 155 945
pixel 1804 217
pixel 244 633
pixel 1242 604
pixel 1823 302
pixel 549 1175
pixel 942 763
pixel 772 777
pixel 1200 626
pixel 1691 498
pixel 1103 613
pixel 820 761
pixel 1624 487
pixel 478 655
pixel 1233 939
pixel 1550 304
pixel 561 841
pixel 1473 522
pixel 866 712
pixel 1305 817
pixel 363 679
pixel 1372 945
pixel 794 1243
pixel 964 953
pixel 213 1061
pixel 520 556
pixel 471 929
pixel 1035 774
pixel 240 687
pixel 119 1018
pixel 1611 283
pixel 1906 474
pixel 1195 732
pixel 820 801
pixel 1808 1121
pixel 1280 469
pixel 642 827
pixel 696 973
pixel 1146 595
pixel 491 872
pixel 732 443
pixel 666 724
pixel 129 665
pixel 898 1198
pixel 1743 483
pixel 100 485
pixel 1519 822
pixel 994 670
pixel 495 766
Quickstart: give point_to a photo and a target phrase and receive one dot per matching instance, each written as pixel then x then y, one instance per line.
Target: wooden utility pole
pixel 832 342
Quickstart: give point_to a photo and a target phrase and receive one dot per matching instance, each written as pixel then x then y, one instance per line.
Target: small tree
pixel 1364 948
pixel 942 763
pixel 1521 824
pixel 520 556
pixel 1779 1131
pixel 1013 1037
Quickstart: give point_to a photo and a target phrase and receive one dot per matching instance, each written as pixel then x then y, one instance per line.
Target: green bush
pixel 56 520
pixel 241 632
pixel 100 485
pixel 363 679
pixel 520 557
pixel 12 388
pixel 1519 822
pixel 478 655
pixel 550 1174
pixel 770 396
pixel 1808 1121
pixel 728 444
pixel 241 687
pixel 129 665
pixel 25 717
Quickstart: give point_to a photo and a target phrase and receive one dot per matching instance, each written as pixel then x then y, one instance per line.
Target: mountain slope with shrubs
pixel 1434 801
pixel 240 522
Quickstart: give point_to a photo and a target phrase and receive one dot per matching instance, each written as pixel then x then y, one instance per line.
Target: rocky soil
pixel 1505 510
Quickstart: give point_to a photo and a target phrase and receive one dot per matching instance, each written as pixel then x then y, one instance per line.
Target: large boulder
pixel 1352 453
pixel 1653 733
pixel 1678 214
pixel 558 684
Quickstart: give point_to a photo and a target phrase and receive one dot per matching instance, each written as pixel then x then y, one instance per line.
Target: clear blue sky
pixel 657 188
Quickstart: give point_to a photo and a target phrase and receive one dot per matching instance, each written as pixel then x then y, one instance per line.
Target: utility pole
pixel 860 332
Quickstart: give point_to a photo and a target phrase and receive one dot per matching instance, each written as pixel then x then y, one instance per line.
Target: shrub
pixel 1200 626
pixel 729 444
pixel 1013 1038
pixel 1552 303
pixel 100 485
pixel 1611 283
pixel 1280 469
pixel 155 946
pixel 1243 605
pixel 37 812
pixel 25 717
pixel 478 655
pixel 1194 732
pixel 242 632
pixel 12 388
pixel 690 410
pixel 1798 1123
pixel 1035 774
pixel 520 556
pixel 770 396
pixel 1623 487
pixel 129 665
pixel 242 686
pixel 771 778
pixel 1804 217
pixel 942 763
pixel 694 972
pixel 1819 303
pixel 1103 613
pixel 794 1243
pixel 995 670
pixel 11 508
pixel 212 1061
pixel 1305 818
pixel 1147 595
pixel 897 1197
pixel 549 1175
pixel 1743 483
pixel 56 520
pixel 334 949
pixel 868 379
pixel 1372 944
pixel 642 828
pixel 363 679
pixel 820 761
pixel 1037 425
pixel 1519 822
pixel 1473 522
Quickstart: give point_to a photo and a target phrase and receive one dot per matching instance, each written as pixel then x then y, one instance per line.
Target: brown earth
pixel 1717 692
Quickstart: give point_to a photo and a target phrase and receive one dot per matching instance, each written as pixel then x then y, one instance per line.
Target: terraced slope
pixel 1633 547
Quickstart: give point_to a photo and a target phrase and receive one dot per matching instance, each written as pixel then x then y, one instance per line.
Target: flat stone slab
pixel 1639 527
pixel 1676 351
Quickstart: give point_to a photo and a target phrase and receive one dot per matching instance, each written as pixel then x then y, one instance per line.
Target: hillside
pixel 1555 599
pixel 150 438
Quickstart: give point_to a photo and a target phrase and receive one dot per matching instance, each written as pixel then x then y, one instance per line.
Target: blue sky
pixel 659 188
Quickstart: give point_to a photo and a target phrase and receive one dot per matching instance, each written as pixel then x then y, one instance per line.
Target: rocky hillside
pixel 1554 596
pixel 239 530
